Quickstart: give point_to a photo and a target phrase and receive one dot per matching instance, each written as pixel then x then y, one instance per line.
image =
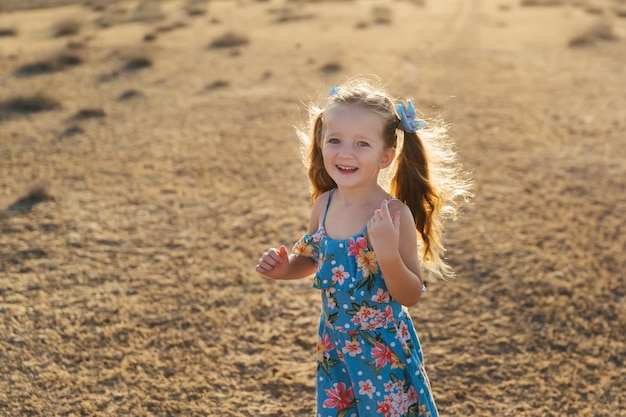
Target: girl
pixel 363 248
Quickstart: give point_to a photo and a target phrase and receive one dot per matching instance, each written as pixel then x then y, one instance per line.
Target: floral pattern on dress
pixel 369 360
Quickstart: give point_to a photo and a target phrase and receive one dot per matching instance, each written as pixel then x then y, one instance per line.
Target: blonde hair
pixel 425 175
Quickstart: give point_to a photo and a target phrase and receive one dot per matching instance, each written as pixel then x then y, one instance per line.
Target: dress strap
pixel 330 195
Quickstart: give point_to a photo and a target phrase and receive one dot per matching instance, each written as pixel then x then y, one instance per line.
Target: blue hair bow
pixel 333 91
pixel 408 118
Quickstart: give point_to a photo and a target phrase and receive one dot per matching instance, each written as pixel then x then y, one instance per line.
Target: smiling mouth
pixel 344 168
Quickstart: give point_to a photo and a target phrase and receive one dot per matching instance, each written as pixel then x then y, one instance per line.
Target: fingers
pixel 283 253
pixel 396 220
pixel 383 212
pixel 272 258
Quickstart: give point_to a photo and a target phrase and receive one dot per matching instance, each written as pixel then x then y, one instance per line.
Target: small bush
pixel 8 32
pixel 600 31
pixel 229 40
pixel 217 84
pixel 67 27
pixel 543 3
pixel 36 195
pixel 89 114
pixel 25 105
pixel 136 63
pixel 382 15
pixel 195 7
pixel 331 68
pixel 148 11
pixel 129 94
pixel 72 131
pixel 56 63
pixel 619 11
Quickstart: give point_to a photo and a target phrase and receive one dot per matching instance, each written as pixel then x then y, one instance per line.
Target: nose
pixel 345 151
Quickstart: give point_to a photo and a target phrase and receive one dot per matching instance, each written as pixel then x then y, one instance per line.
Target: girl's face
pixel 353 147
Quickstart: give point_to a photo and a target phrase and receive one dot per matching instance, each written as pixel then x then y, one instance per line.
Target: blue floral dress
pixel 369 359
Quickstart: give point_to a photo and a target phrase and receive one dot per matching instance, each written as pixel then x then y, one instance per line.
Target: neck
pixel 361 195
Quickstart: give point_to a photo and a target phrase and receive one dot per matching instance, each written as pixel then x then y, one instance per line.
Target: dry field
pixel 148 157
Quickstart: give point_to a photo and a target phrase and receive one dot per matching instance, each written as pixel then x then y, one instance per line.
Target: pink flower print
pixel 352 348
pixel 387 314
pixel 356 320
pixel 354 247
pixel 382 355
pixel 339 274
pixel 381 296
pixel 367 388
pixel 384 408
pixel 339 397
pixel 331 303
pixel 366 313
pixel 412 395
pixel 403 333
pixel 366 262
pixel 389 386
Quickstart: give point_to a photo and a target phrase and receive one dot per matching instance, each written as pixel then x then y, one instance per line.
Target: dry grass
pixel 135 293
pixel 59 62
pixel 229 40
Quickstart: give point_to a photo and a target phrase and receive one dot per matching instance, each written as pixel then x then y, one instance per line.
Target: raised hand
pixel 274 263
pixel 384 231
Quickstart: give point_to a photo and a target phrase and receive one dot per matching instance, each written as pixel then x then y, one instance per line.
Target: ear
pixel 387 158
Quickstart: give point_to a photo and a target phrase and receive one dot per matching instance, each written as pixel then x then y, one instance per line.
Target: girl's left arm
pixel 394 240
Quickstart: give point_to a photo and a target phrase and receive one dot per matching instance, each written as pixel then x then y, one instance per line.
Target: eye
pixel 332 140
pixel 363 144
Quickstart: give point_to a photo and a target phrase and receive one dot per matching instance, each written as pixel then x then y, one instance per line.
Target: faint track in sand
pixel 457 29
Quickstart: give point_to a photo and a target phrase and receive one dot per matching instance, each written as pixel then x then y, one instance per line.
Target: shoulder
pixel 320 203
pixel 407 221
pixel 318 211
pixel 397 205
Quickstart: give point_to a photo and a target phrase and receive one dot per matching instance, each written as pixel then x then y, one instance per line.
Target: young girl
pixel 363 248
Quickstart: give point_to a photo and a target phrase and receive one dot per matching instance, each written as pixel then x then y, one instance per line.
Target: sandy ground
pixel 135 206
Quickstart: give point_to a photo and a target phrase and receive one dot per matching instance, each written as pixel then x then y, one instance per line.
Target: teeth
pixel 346 168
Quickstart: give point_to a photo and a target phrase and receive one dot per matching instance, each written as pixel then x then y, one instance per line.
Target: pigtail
pixel 412 184
pixel 319 178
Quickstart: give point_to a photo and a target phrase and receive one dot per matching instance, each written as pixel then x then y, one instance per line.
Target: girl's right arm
pixel 278 264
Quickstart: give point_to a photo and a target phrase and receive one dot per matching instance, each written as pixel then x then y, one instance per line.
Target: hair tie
pixel 333 91
pixel 408 118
